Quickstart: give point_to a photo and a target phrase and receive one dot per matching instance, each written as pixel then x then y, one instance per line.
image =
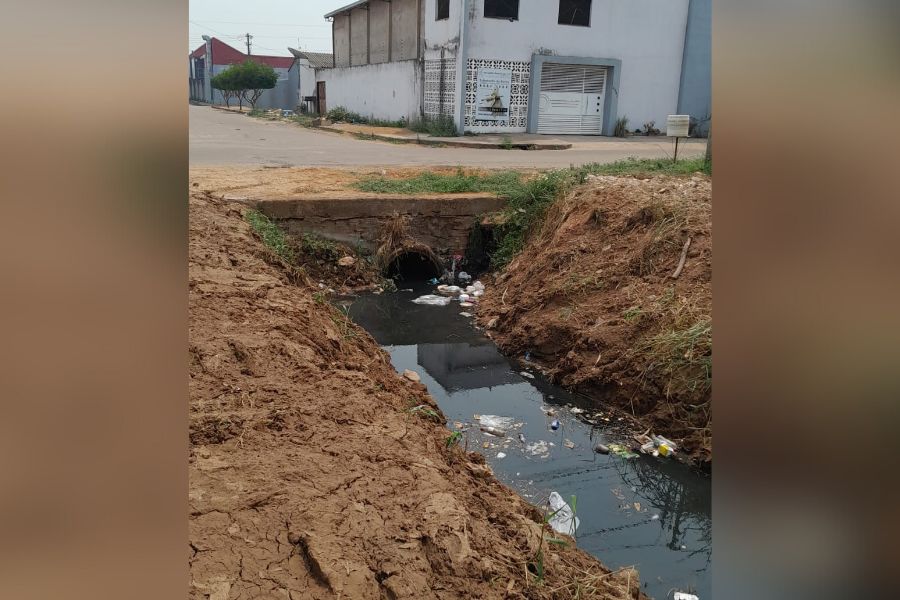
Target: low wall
pixel 389 91
pixel 441 223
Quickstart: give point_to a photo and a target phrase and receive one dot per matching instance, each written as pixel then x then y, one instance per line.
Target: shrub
pixel 621 127
pixel 439 126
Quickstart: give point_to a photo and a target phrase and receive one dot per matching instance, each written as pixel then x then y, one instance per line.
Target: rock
pixel 412 376
pixel 347 261
pixel 601 449
pixel 294 538
pixel 493 323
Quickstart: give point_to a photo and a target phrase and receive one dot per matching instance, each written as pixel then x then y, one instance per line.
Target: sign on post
pixel 678 126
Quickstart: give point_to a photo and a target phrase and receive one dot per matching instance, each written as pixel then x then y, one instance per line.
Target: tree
pixel 253 79
pixel 226 83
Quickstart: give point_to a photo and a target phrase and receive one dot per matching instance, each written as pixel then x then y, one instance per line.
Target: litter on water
pixel 685 596
pixel 563 519
pixel 432 300
pixel 501 455
pixel 526 374
pixel 495 421
pixel 539 448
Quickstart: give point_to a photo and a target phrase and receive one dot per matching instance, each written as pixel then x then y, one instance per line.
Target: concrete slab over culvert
pixel 441 223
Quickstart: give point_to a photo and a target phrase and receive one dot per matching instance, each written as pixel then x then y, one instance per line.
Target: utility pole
pixel 249 37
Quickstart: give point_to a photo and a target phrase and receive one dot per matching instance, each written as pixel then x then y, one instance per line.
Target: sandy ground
pixel 257 182
pixel 592 298
pixel 310 476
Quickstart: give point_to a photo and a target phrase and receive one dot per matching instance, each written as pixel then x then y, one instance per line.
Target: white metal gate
pixel 571 100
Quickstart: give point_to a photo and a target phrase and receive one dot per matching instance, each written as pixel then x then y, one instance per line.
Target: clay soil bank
pixel 592 299
pixel 311 474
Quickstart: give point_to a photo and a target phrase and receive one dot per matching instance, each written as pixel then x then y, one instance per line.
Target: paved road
pixel 218 137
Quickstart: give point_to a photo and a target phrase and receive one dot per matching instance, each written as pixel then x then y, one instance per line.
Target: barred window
pixel 501 9
pixel 575 12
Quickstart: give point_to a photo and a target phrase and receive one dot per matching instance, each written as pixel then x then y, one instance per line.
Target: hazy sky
pixel 274 24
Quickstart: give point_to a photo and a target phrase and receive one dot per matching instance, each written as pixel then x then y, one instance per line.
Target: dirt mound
pixel 317 472
pixel 593 298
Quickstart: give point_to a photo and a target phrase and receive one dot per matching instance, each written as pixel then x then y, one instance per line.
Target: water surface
pixel 652 513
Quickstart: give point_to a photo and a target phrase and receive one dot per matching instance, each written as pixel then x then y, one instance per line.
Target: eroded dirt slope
pixel 309 475
pixel 592 298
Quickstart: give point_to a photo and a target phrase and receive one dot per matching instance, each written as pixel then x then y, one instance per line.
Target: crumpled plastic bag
pixel 432 300
pixel 564 521
pixel 496 422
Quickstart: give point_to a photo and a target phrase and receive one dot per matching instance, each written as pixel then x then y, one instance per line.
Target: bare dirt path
pixel 310 476
pixel 219 137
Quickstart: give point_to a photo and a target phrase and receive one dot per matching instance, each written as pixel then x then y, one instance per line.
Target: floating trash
pixel 563 519
pixel 554 424
pixel 501 455
pixel 432 300
pixel 539 448
pixel 526 374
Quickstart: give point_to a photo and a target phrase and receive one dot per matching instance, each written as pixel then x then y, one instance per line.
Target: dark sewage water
pixel 646 512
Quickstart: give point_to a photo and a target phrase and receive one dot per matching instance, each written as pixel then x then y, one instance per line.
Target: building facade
pixel 214 56
pixel 539 66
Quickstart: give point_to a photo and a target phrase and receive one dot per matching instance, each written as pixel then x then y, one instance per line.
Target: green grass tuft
pixel 502 183
pixel 440 126
pixel 271 235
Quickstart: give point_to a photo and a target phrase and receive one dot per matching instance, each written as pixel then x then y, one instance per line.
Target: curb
pixel 447 143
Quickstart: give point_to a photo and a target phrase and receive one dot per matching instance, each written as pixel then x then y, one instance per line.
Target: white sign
pixel 492 94
pixel 678 125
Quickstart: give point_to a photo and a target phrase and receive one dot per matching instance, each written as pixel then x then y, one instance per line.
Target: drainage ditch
pixel 652 513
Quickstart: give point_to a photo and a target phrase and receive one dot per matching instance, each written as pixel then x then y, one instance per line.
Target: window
pixel 575 12
pixel 443 10
pixel 501 9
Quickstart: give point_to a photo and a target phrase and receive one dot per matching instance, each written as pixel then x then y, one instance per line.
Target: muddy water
pixel 653 513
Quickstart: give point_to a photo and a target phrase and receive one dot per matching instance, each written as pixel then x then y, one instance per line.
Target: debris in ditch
pixel 569 444
pixel 684 595
pixel 464 277
pixel 621 451
pixel 465 314
pixel 654 517
pixel 576 411
pixel 347 261
pixel 501 455
pixel 526 374
pixel 601 449
pixel 464 297
pixel 563 519
pixel 494 431
pixel 539 448
pixel 495 421
pixel 466 305
pixel 522 438
pixel 412 376
pixel 493 323
pixel 554 424
pixel 448 290
pixel 433 281
pixel 432 300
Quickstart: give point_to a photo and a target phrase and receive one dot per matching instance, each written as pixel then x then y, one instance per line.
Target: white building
pixel 539 66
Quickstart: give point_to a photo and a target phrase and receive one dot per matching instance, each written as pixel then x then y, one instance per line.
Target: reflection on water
pixel 652 513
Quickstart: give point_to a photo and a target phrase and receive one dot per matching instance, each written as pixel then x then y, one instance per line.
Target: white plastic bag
pixel 432 300
pixel 495 421
pixel 564 519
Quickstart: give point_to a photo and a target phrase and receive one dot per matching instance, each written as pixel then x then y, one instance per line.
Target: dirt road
pixel 222 138
pixel 317 472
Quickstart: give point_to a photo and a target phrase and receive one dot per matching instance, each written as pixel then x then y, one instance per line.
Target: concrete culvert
pixel 411 265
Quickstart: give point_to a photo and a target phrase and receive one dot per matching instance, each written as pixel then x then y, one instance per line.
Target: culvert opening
pixel 413 266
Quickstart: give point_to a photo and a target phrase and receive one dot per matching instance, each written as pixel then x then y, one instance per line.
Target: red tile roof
pixel 223 54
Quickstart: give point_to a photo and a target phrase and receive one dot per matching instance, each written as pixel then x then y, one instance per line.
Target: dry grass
pixel 395 240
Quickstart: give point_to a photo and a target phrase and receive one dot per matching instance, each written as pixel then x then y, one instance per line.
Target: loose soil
pixel 592 299
pixel 310 475
pixel 276 183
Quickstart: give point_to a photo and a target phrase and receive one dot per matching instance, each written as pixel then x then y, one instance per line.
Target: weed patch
pixel 339 114
pixel 271 235
pixel 502 183
pixel 440 126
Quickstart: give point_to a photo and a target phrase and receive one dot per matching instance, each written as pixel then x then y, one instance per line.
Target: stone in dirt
pixel 412 376
pixel 347 261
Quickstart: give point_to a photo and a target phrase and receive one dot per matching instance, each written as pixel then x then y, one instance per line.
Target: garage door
pixel 571 100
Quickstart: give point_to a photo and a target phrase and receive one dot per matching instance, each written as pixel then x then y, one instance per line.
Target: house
pixel 538 66
pixel 307 63
pixel 220 55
